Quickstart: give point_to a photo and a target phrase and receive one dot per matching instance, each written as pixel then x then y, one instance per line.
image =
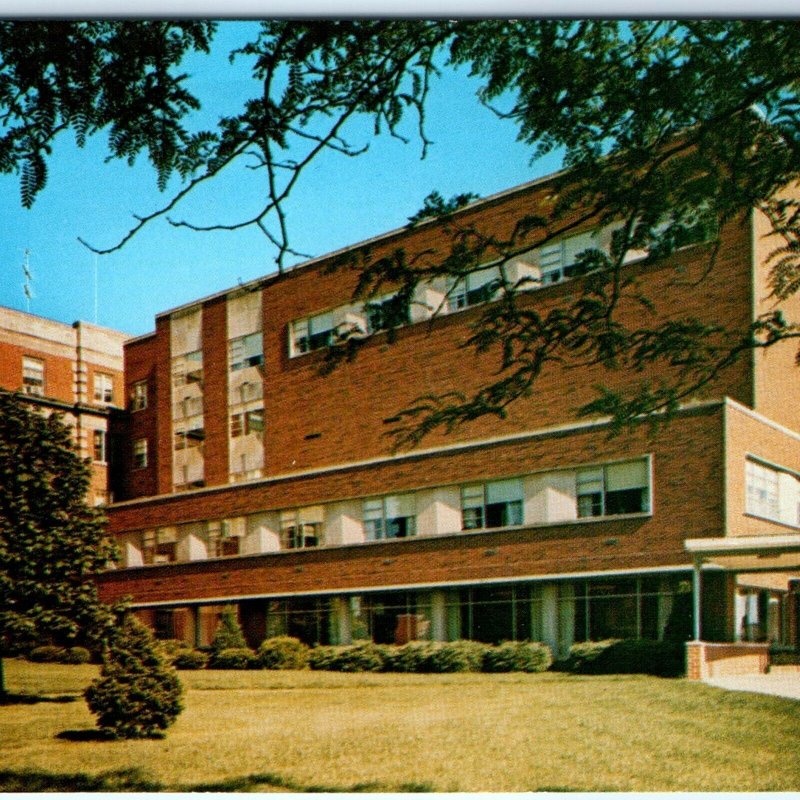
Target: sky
pixel 338 201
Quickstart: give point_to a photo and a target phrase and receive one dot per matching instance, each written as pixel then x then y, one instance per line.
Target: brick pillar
pixel 696 661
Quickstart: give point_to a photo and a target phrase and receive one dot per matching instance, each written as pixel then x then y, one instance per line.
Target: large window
pixel 474 288
pixel 103 388
pixel 557 259
pixel 188 368
pixel 246 351
pixel 223 537
pixel 302 527
pixel 772 493
pixel 491 505
pixel 312 333
pixel 613 489
pixel 392 517
pixel 33 376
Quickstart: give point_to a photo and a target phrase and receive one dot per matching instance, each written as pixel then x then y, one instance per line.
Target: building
pixel 251 479
pixel 75 370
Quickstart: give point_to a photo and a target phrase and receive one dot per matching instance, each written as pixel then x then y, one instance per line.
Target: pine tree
pixel 229 634
pixel 51 542
pixel 137 695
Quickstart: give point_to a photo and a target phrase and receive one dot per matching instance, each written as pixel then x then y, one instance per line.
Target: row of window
pixel 33 381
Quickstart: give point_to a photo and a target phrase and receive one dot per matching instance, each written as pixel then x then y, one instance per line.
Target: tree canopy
pixel 667 127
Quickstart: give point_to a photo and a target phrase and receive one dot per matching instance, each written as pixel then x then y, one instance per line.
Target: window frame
pixel 599 474
pixel 380 526
pixel 33 385
pixel 99 446
pixel 475 516
pixel 103 388
pixel 237 361
pixel 140 453
pixel 138 396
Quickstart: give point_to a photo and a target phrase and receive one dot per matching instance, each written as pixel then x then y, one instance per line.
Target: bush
pixel 190 659
pixel 234 658
pixel 47 654
pixel 229 634
pixel 627 656
pixel 76 655
pixel 459 656
pixel 137 694
pixel 283 652
pixel 517 657
pixel 324 657
pixel 411 657
pixel 360 657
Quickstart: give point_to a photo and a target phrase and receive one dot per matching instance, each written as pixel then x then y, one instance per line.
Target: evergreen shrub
pixel 517 657
pixel 414 656
pixel 324 657
pixel 627 656
pixel 47 654
pixel 283 652
pixel 234 658
pixel 229 635
pixel 76 655
pixel 462 655
pixel 190 659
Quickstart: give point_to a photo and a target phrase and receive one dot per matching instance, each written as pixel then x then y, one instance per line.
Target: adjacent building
pixel 75 370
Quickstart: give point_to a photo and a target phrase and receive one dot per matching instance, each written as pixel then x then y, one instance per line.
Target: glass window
pixel 386 312
pixel 302 527
pixel 762 490
pixel 103 388
pixel 475 287
pixel 496 504
pixel 140 453
pixel 312 333
pixel 391 517
pixel 99 446
pixel 138 396
pixel 246 351
pixel 613 489
pixel 33 376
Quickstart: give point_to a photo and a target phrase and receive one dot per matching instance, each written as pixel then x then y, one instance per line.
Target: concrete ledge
pixel 721 659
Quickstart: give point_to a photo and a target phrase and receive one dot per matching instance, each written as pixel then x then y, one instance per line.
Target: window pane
pixel 632 475
pixel 504 491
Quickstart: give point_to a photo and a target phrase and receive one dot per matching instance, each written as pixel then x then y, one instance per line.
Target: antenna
pixel 28 279
pixel 95 288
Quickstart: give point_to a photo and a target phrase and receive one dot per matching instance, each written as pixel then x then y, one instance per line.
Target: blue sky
pixel 338 201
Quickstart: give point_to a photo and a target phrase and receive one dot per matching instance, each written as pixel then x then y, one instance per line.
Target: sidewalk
pixel 785 684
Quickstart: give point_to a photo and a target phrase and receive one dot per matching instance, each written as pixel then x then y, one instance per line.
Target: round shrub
pixel 76 655
pixel 190 659
pixel 47 654
pixel 459 656
pixel 137 694
pixel 517 657
pixel 172 647
pixel 283 652
pixel 324 657
pixel 411 657
pixel 233 658
pixel 361 657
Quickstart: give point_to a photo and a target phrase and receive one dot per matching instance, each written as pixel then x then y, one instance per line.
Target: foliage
pixel 517 657
pixel 680 623
pixel 234 658
pixel 51 542
pixel 283 652
pixel 414 656
pixel 53 654
pixel 363 656
pixel 229 632
pixel 190 659
pixel 137 694
pixel 459 656
pixel 627 656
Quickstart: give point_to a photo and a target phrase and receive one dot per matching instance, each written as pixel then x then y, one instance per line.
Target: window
pixel 159 546
pixel 139 453
pixel 33 376
pixel 772 493
pixel 138 396
pixel 103 388
pixel 385 312
pixel 613 489
pixel 301 528
pixel 557 259
pixel 475 287
pixel 188 368
pixel 246 351
pixel 224 538
pixel 247 422
pixel 193 437
pixel 99 446
pixel 312 333
pixel 392 517
pixel 491 505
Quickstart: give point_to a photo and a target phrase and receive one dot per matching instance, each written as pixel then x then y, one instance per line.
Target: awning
pixel 769 553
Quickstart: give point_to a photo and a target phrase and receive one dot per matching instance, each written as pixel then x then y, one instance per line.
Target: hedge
pixel 283 652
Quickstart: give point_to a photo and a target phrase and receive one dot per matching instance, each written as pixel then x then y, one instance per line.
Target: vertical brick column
pixel 161 448
pixel 215 391
pixel 695 661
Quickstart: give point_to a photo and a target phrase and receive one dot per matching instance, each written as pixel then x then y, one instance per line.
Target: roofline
pixel 273 276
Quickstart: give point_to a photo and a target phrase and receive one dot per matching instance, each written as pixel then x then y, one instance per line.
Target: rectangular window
pixel 302 527
pixel 223 538
pixel 391 517
pixel 476 287
pixel 614 489
pixel 772 493
pixel 139 453
pixel 159 546
pixel 246 351
pixel 138 396
pixel 247 422
pixel 99 446
pixel 33 376
pixel 188 368
pixel 312 333
pixel 497 504
pixel 557 260
pixel 386 312
pixel 103 388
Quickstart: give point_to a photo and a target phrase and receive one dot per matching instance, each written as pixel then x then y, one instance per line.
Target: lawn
pixel 304 731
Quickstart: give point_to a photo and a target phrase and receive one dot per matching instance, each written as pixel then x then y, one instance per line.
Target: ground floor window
pixel 307 619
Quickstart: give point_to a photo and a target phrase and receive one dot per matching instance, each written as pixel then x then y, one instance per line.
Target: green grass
pixel 309 731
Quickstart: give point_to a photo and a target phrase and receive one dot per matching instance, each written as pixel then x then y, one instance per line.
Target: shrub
pixel 137 694
pixel 76 655
pixel 627 656
pixel 234 658
pixel 459 656
pixel 517 657
pixel 324 657
pixel 229 634
pixel 360 657
pixel 172 647
pixel 47 654
pixel 190 659
pixel 283 652
pixel 414 656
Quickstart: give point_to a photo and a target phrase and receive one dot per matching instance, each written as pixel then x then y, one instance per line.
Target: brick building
pixel 75 370
pixel 252 479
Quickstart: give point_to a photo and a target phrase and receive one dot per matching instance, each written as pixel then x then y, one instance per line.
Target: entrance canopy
pixel 748 553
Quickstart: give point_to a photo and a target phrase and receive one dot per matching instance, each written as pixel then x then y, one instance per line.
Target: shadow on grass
pixel 88 735
pixel 250 783
pixel 32 780
pixel 22 699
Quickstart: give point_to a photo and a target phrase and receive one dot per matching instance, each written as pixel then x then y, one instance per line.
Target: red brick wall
pixel 58 371
pixel 215 392
pixel 163 444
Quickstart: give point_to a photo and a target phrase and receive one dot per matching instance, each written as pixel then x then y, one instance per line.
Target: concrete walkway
pixel 785 684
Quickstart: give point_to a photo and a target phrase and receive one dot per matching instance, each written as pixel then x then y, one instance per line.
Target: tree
pixel 51 542
pixel 229 633
pixel 138 695
pixel 668 128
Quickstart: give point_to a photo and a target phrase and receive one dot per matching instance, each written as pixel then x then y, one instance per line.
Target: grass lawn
pixel 305 731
